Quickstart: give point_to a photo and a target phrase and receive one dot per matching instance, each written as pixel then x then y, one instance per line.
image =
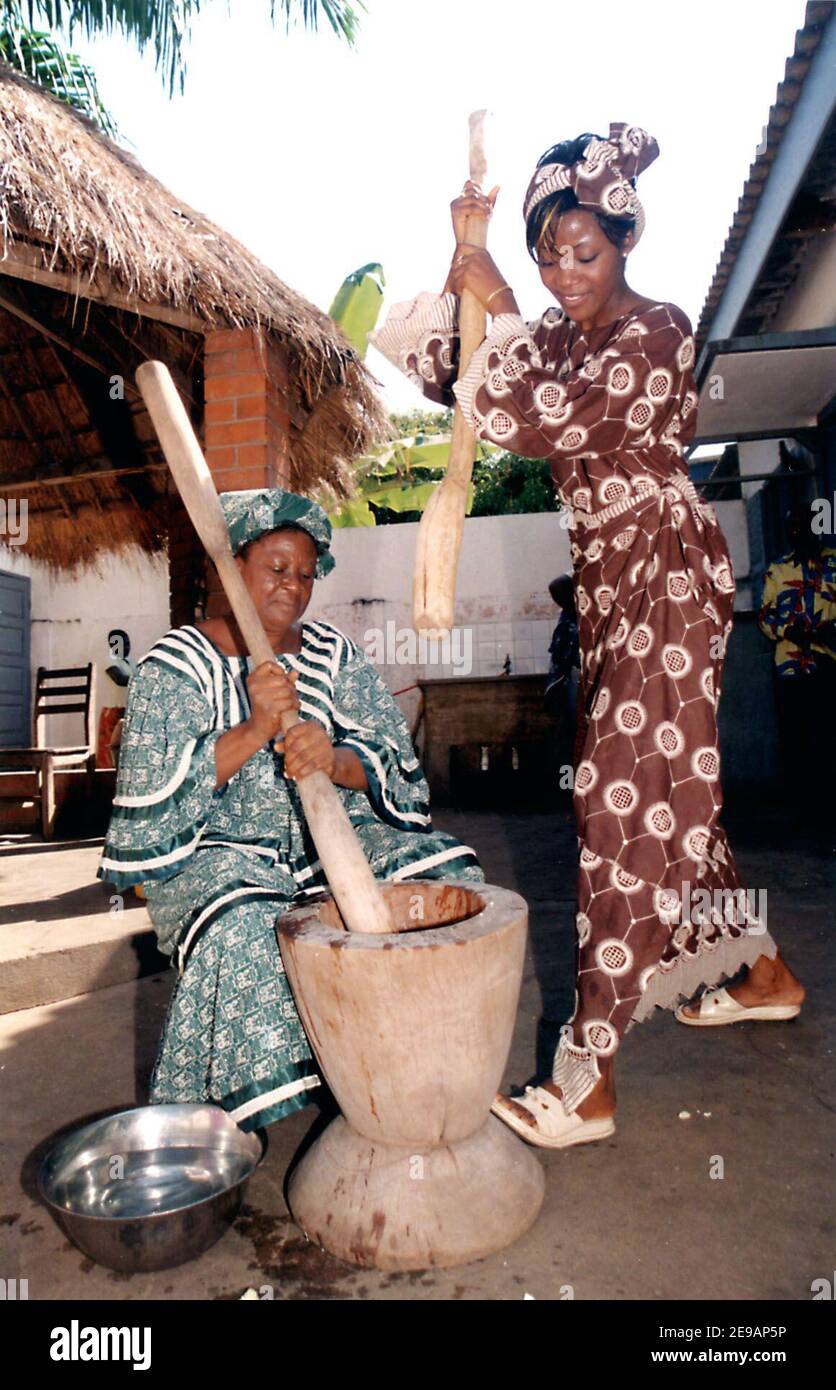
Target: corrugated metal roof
pixel 783 264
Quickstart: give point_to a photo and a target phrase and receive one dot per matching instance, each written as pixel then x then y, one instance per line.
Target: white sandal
pixel 718 1008
pixel 555 1128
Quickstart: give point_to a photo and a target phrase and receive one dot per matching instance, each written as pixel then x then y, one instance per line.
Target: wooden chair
pixel 78 681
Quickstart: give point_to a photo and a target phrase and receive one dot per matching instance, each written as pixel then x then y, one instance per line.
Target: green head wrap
pixel 258 511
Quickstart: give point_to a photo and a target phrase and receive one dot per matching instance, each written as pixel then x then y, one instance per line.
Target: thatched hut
pixel 103 268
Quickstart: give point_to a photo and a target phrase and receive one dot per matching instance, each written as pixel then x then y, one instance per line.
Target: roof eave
pixel 805 128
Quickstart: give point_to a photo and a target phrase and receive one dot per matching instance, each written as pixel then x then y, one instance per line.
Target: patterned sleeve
pixel 166 784
pixel 635 393
pixel 369 722
pixel 421 339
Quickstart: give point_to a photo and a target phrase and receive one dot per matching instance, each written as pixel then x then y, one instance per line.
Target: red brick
pixel 229 339
pixel 240 479
pixel 219 363
pixel 237 432
pixel 255 456
pixel 219 388
pixel 250 360
pixel 250 408
pixel 217 412
pixel 221 458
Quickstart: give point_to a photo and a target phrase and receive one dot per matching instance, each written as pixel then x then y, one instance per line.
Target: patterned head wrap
pixel 255 513
pixel 601 180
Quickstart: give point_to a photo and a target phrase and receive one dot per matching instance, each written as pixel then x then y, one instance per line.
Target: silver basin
pixel 152 1187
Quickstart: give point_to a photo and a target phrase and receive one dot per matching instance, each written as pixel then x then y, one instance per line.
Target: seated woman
pixel 207 817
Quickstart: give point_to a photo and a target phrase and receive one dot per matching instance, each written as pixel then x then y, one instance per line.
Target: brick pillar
pixel 246 410
pixel 246 421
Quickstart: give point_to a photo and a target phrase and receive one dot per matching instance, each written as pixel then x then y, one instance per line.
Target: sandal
pixel 719 1007
pixel 555 1128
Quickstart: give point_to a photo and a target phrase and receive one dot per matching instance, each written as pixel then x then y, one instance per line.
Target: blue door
pixel 15 716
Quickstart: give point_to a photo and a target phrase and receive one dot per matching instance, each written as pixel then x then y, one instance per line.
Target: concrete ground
pixel 64 932
pixel 638 1216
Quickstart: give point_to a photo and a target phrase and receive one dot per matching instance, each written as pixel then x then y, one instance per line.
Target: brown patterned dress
pixel 660 907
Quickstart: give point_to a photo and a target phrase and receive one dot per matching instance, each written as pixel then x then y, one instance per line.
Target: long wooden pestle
pixel 441 527
pixel 352 883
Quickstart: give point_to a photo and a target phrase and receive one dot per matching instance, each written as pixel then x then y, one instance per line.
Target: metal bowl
pixel 152 1187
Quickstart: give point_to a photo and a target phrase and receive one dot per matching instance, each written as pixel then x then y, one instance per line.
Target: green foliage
pixel 425 422
pixel 357 304
pixel 164 25
pixel 396 482
pixel 41 58
pixel 341 15
pixel 508 484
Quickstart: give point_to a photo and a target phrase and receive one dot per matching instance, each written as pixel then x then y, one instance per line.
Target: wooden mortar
pixel 412 1031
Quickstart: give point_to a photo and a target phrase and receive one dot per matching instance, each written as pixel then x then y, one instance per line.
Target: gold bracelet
pixel 496 292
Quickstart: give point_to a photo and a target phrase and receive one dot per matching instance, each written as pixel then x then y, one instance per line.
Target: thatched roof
pixel 104 265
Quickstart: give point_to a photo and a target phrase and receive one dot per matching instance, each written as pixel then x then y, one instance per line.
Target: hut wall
pixel 73 614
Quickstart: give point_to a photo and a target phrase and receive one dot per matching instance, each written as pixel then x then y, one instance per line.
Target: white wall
pixel 72 615
pixel 503 607
pixel 811 300
pixel 757 456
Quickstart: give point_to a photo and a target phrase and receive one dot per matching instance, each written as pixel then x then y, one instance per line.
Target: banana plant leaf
pixel 385 477
pixel 357 512
pixel 402 455
pixel 395 499
pixel 357 304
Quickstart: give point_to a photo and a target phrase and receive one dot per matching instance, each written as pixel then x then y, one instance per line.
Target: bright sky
pixel 321 158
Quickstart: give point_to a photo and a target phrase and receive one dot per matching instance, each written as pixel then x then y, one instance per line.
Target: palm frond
pixel 43 60
pixel 164 25
pixel 341 15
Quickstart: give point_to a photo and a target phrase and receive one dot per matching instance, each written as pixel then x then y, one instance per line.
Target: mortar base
pixel 384 1207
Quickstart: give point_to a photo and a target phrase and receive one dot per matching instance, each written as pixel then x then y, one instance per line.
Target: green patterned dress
pixel 220 865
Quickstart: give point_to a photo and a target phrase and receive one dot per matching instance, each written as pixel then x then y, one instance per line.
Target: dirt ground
pixel 638 1216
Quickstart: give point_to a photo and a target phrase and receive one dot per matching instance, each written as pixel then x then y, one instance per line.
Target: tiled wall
pixel 503 607
pixel 472 649
pixel 524 641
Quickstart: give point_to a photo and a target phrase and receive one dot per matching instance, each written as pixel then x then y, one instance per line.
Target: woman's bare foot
pixel 765 982
pixel 599 1104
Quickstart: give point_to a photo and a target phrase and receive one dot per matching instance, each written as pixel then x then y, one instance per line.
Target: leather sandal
pixel 555 1128
pixel 718 1008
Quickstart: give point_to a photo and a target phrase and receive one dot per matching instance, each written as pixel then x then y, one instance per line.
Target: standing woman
pixel 602 387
